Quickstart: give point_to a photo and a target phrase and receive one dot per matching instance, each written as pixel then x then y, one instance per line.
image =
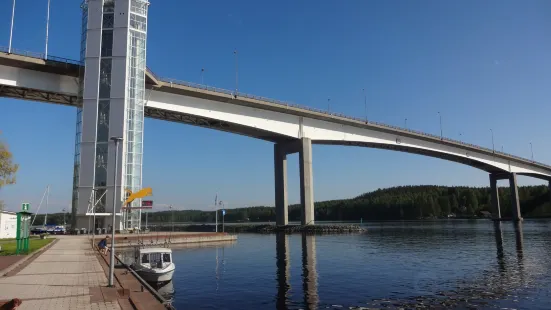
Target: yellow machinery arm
pixel 139 194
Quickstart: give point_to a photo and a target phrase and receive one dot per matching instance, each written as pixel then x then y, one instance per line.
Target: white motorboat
pixel 154 264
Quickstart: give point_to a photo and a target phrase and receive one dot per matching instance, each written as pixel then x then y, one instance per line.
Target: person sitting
pixel 102 245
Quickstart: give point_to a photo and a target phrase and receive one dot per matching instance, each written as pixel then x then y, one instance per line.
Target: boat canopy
pixel 155 250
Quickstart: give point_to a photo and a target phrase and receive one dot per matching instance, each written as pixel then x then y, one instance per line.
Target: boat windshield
pixel 156 260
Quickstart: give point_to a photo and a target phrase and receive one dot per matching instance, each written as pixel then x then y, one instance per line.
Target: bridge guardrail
pixel 275 101
pixel 288 104
pixel 40 56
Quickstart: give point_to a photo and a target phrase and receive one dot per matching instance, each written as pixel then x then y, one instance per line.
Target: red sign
pixel 147 203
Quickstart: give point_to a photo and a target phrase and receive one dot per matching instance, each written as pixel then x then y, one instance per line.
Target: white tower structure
pixel 113 50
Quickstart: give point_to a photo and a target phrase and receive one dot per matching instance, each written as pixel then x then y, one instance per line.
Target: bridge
pixel 113 90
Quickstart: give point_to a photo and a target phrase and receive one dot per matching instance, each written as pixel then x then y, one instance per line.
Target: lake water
pixel 442 264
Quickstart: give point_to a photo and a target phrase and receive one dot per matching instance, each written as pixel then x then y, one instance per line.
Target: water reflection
pixel 219 267
pixel 498 232
pixel 283 271
pixel 165 289
pixel 519 238
pixel 309 272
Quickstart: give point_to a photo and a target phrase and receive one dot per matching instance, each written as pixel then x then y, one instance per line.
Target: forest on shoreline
pixel 395 203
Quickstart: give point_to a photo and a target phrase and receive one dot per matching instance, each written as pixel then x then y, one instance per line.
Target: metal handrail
pixel 279 102
pixel 40 56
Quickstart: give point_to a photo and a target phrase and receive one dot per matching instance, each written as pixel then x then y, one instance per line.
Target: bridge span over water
pixel 113 90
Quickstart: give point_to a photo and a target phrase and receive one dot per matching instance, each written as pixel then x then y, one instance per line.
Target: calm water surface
pixel 441 264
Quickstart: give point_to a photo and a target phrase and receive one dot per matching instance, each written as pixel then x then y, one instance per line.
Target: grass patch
pixel 8 248
pixel 8 240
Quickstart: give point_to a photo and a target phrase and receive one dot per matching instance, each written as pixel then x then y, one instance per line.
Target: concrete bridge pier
pixel 496 210
pixel 281 150
pixel 515 204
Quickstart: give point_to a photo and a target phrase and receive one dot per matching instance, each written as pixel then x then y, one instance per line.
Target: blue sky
pixel 482 64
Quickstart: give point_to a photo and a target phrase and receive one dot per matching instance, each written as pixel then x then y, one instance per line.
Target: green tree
pixel 444 203
pixel 435 207
pixel 472 202
pixel 454 204
pixel 7 167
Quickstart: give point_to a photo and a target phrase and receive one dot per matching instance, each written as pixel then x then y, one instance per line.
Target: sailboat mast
pixel 47 196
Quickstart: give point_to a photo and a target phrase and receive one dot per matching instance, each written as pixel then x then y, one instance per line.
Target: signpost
pixel 23 229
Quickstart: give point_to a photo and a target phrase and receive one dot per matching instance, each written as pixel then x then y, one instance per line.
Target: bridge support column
pixel 549 186
pixel 515 205
pixel 281 150
pixel 280 173
pixel 496 210
pixel 306 182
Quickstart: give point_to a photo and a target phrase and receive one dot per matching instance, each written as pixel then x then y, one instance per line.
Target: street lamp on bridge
pixel 236 72
pixel 365 104
pixel 493 147
pixel 532 151
pixel 441 134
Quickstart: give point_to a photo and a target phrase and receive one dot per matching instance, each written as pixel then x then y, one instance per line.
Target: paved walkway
pixel 63 277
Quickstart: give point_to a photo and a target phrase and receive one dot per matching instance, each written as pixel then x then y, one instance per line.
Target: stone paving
pixel 60 278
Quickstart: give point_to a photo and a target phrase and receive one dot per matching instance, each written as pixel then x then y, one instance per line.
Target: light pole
pixel 493 147
pixel 64 217
pixel 502 150
pixel 406 123
pixel 365 104
pixel 216 212
pixel 11 26
pixel 223 214
pixel 94 220
pixel 532 151
pixel 47 31
pixel 236 72
pixel 329 105
pixel 202 76
pixel 112 258
pixel 441 134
